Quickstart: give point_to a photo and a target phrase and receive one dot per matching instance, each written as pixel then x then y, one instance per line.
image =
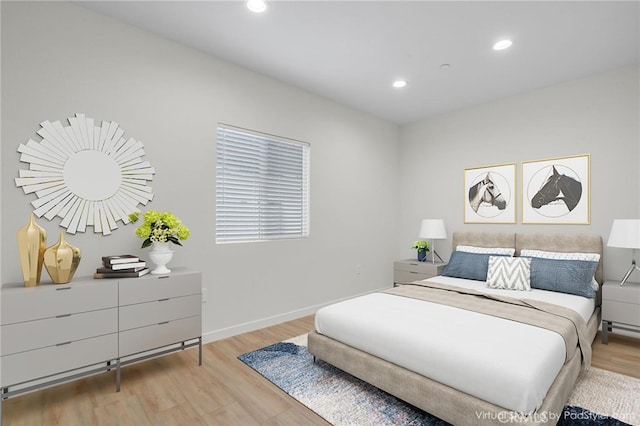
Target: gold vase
pixel 32 240
pixel 62 260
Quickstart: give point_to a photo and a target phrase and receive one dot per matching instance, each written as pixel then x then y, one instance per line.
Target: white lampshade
pixel 432 229
pixel 625 233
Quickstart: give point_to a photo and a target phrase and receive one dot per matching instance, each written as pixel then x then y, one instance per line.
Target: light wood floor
pixel 173 390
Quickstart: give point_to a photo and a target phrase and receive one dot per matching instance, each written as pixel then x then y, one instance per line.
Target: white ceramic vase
pixel 160 255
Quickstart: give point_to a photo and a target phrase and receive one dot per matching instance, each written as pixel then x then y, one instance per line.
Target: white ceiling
pixel 351 51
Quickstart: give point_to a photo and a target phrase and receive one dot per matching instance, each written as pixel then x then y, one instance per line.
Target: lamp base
pixel 433 255
pixel 628 274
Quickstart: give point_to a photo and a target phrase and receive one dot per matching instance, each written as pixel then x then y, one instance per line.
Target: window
pixel 262 186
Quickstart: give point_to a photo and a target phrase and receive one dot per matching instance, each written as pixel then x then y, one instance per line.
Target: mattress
pixel 507 363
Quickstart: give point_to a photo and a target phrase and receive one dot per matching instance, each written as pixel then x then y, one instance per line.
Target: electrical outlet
pixel 358 269
pixel 204 295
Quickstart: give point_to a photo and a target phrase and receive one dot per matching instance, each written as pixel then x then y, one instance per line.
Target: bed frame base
pixel 448 404
pixel 442 401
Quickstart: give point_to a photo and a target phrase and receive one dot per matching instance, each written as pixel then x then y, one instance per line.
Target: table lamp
pixel 433 229
pixel 625 233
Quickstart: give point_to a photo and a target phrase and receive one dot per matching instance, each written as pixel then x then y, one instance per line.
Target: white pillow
pixel 511 273
pixel 487 250
pixel 589 257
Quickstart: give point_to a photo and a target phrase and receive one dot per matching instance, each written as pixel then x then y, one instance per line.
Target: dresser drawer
pixel 629 293
pixel 30 335
pixel 142 314
pixel 408 266
pixel 622 312
pixel 150 288
pixel 428 268
pixel 51 300
pixel 406 271
pixel 157 335
pixel 43 362
pixel 407 276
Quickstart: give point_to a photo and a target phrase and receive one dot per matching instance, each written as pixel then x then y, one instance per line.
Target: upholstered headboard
pixel 561 242
pixel 484 239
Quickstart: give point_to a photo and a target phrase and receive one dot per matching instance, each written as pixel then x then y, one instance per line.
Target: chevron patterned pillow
pixel 512 273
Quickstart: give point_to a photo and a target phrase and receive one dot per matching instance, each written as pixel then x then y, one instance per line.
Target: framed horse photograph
pixel 556 190
pixel 489 194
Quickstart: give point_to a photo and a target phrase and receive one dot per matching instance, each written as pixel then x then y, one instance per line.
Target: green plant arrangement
pixel 421 245
pixel 159 227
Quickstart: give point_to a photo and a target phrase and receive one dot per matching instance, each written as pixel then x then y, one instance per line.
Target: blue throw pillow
pixel 472 266
pixel 564 276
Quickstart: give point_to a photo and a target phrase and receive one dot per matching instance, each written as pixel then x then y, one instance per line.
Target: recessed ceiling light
pixel 399 83
pixel 257 6
pixel 502 44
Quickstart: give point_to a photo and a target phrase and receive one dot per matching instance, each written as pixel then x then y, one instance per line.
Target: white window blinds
pixel 262 186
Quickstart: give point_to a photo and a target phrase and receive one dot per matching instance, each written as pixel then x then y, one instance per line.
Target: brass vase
pixel 32 240
pixel 62 260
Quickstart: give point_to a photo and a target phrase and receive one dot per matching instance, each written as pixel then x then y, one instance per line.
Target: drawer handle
pixel 163 300
pixel 413 264
pixel 63 288
pixel 64 343
pixel 412 272
pixel 162 323
pixel 63 315
pixel 163 277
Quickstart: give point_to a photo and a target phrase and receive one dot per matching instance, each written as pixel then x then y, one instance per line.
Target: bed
pixel 463 352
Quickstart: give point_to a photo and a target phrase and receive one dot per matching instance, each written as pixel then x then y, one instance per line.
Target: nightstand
pixel 620 307
pixel 408 270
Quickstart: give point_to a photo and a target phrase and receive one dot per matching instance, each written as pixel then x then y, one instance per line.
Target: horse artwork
pixel 558 188
pixel 489 194
pixel 486 192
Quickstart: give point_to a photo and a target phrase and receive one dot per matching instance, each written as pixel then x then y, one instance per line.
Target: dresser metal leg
pixel 118 375
pixel 606 328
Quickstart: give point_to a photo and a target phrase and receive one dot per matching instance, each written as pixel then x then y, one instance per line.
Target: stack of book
pixel 121 266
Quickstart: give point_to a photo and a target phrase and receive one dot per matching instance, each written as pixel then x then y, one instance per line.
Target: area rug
pixel 600 398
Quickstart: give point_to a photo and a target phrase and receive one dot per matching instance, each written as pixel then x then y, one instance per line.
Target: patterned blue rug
pixel 342 399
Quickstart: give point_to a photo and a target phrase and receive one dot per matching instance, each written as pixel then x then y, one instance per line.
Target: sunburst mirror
pixel 86 173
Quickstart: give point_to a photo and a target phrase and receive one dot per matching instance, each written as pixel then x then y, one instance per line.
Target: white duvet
pixel 461 349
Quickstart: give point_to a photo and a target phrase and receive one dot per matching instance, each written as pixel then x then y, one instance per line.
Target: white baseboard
pixel 223 333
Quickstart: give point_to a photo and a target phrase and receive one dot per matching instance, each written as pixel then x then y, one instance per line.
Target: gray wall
pixel 371 182
pixel 598 115
pixel 59 59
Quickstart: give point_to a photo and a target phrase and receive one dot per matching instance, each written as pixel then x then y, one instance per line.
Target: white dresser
pixel 53 328
pixel 408 270
pixel 156 311
pixel 620 307
pixel 56 333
